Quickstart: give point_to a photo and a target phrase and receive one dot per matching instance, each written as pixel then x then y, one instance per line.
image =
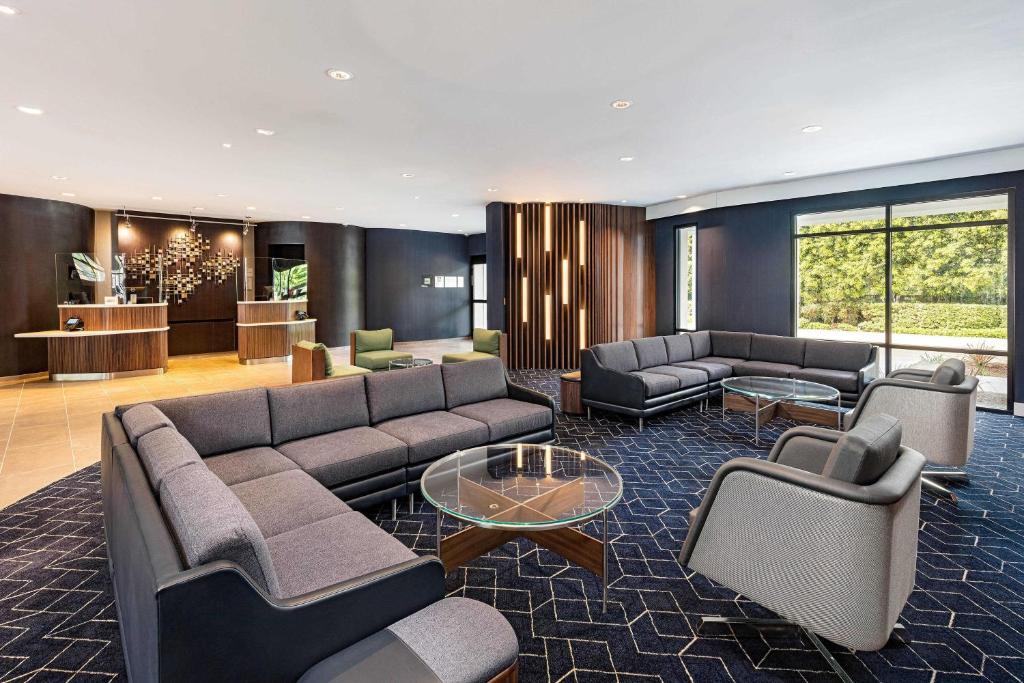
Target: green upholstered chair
pixel 312 361
pixel 486 344
pixel 374 349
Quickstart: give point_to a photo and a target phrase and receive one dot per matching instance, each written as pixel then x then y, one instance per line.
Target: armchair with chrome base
pixel 936 409
pixel 824 533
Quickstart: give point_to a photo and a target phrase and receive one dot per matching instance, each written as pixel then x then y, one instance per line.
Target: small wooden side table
pixel 572 402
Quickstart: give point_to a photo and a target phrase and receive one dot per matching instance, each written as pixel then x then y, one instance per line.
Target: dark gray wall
pixel 495 245
pixel 337 275
pixel 477 244
pixel 745 264
pixel 31 232
pixel 396 261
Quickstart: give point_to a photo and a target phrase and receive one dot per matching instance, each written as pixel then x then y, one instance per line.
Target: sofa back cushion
pixel 211 524
pixel 218 423
pixel 619 356
pixel 951 372
pixel 163 451
pixel 678 347
pixel 864 453
pixel 142 419
pixel 730 344
pixel 775 349
pixel 486 341
pixel 835 355
pixel 650 351
pixel 701 343
pixel 374 340
pixel 312 408
pixel 404 392
pixel 473 381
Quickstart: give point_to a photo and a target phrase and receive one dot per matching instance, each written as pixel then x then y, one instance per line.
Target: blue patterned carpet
pixel 965 620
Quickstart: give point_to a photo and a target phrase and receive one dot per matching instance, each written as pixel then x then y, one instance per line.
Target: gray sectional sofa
pixel 235 549
pixel 644 377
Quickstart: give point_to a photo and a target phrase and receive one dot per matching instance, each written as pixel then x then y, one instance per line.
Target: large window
pixel 686 278
pixel 479 287
pixel 926 281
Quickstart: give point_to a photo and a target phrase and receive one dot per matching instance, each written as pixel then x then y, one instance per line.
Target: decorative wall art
pixel 187 261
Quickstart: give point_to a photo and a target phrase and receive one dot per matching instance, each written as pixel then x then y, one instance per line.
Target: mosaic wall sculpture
pixel 188 260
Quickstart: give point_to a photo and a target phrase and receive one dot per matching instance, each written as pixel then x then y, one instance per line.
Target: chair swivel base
pixel 929 481
pixel 783 623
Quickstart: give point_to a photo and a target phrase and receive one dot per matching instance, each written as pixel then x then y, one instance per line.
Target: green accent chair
pixel 486 344
pixel 374 349
pixel 312 361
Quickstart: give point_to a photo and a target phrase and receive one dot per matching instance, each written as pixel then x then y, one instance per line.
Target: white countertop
pixel 280 322
pixel 52 334
pixel 282 301
pixel 109 305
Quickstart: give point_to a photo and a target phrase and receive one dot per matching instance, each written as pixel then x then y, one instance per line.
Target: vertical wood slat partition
pixel 610 289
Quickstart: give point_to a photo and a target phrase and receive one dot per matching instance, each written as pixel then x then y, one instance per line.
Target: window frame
pixel 473 300
pixel 678 232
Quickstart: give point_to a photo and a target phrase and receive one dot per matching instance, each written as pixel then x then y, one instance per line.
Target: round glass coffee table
pixel 408 363
pixel 506 491
pixel 771 397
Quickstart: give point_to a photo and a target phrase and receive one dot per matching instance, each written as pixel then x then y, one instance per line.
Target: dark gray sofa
pixel 234 548
pixel 644 377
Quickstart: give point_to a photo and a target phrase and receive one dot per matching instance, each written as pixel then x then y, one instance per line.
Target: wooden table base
pixel 769 410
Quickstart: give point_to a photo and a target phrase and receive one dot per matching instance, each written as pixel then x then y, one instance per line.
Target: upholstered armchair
pixel 824 532
pixel 312 361
pixel 374 349
pixel 486 344
pixel 936 409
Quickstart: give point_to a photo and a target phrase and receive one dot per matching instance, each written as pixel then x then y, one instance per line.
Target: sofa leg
pixel 641 424
pixel 588 412
pixel 394 509
pixel 412 502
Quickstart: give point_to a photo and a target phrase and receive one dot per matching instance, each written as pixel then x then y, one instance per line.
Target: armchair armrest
pixel 869 373
pixel 351 348
pixel 805 448
pixel 896 390
pixel 910 374
pixel 605 385
pixel 273 639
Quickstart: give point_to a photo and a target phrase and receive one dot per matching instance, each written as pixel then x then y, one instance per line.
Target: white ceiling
pixel 512 94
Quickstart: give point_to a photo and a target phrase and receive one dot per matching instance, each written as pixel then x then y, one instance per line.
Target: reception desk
pixel 117 341
pixel 267 330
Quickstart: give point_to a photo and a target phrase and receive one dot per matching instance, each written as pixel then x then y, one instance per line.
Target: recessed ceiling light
pixel 624 201
pixel 264 131
pixel 408 175
pixel 621 104
pixel 198 208
pixel 416 197
pixel 221 195
pixel 789 173
pixel 339 208
pixel 810 129
pixel 33 111
pixel 401 225
pixel 250 208
pixel 306 218
pixel 157 199
pixel 626 158
pixel 59 177
pixel 227 145
pixel 455 215
pixel 339 75
pixel 680 196
pixel 492 189
pixel 68 194
pixel 460 230
pixel 9 11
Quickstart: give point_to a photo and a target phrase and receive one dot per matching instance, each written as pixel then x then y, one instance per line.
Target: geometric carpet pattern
pixel 964 620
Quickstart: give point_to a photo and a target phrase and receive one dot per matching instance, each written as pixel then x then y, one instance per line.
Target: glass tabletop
pixel 521 485
pixel 778 388
pixel 410 363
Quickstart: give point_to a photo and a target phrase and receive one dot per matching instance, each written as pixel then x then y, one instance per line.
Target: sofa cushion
pixel 431 435
pixel 688 377
pixel 776 349
pixel 678 347
pixel 142 419
pixel 657 384
pixel 163 451
pixel 472 382
pixel 374 340
pixel 843 380
pixel 507 417
pixel 211 524
pixel 222 422
pixel 380 360
pixel 396 394
pixel 332 550
pixel 619 356
pixel 249 463
pixel 487 341
pixel 864 453
pixel 650 351
pixel 762 368
pixel 820 353
pixel 950 372
pixel 701 343
pixel 339 457
pixel 731 344
pixel 311 408
pixel 714 371
pixel 287 500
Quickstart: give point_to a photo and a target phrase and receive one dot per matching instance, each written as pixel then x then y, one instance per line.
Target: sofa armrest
pixel 806 448
pixel 599 383
pixel 521 393
pixel 272 639
pixel 869 373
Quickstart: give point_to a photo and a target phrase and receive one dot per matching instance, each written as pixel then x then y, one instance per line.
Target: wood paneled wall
pixel 575 275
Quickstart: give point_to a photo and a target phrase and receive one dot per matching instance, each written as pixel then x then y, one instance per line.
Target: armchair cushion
pixel 951 372
pixel 464 357
pixel 379 360
pixel 374 340
pixel 486 341
pixel 864 453
pixel 650 352
pixel 679 347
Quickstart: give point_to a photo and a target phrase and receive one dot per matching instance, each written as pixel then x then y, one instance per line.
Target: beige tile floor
pixel 50 429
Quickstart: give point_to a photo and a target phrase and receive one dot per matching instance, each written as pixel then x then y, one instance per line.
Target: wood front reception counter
pixel 118 341
pixel 267 330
